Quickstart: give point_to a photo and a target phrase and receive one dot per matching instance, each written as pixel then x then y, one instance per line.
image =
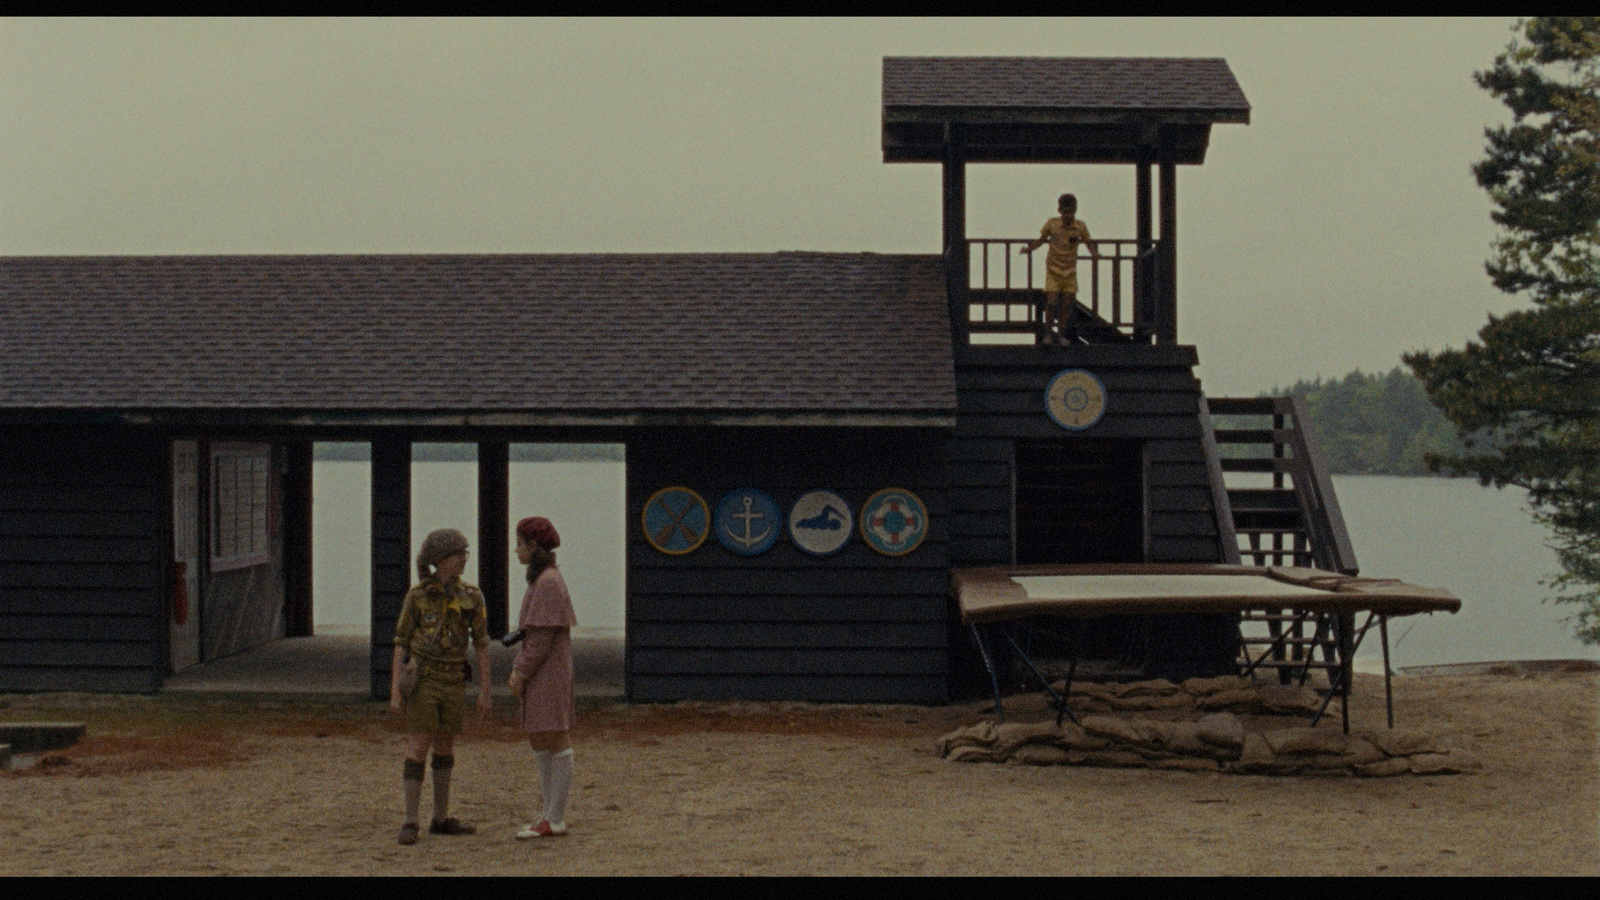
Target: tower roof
pixel 1056 109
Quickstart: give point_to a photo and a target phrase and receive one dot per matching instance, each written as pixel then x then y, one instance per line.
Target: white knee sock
pixel 542 757
pixel 555 804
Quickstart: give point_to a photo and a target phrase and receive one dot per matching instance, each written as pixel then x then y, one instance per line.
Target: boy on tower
pixel 1063 234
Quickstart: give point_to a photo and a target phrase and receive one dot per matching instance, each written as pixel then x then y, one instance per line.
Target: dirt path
pixel 164 786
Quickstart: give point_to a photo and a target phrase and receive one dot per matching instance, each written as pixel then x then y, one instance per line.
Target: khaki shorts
pixel 1060 284
pixel 439 703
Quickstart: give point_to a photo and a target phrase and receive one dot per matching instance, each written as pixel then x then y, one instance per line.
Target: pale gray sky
pixel 1339 229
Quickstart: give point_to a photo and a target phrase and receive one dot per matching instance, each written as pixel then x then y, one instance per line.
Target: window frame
pixel 227 519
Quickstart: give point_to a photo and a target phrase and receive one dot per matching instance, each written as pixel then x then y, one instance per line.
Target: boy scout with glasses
pixel 438 618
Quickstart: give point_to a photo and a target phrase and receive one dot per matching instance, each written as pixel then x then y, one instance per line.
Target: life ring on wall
pixel 180 592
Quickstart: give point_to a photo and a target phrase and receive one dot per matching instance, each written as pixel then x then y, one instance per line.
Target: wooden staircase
pixel 1280 502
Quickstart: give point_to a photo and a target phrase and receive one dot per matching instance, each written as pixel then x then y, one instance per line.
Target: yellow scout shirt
pixel 1064 241
pixel 452 612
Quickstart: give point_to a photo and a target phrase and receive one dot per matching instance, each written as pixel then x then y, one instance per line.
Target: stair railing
pixel 1319 507
pixel 1227 535
pixel 1330 541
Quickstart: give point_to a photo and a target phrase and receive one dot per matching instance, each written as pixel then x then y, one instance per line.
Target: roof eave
pixel 1065 115
pixel 248 418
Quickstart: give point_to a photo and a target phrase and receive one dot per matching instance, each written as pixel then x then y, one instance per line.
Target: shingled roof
pixel 1167 89
pixel 596 334
pixel 1056 109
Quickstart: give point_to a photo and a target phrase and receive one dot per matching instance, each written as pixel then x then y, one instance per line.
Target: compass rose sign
pixel 1075 399
pixel 747 522
pixel 820 523
pixel 676 520
pixel 894 522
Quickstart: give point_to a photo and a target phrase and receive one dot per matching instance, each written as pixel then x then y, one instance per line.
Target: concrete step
pixel 37 737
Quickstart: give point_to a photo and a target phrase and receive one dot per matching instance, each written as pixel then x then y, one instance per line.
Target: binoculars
pixel 510 638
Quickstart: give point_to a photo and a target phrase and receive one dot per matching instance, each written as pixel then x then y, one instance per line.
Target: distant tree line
pixel 1375 424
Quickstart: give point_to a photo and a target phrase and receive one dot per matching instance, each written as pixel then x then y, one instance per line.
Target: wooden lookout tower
pixel 1122 476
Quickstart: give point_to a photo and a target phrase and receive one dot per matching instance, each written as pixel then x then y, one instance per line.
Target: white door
pixel 184 605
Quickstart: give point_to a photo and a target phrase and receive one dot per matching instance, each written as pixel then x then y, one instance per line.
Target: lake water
pixel 1476 542
pixel 583 498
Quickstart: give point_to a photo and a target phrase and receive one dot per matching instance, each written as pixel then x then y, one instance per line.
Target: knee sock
pixel 555 804
pixel 441 786
pixel 412 779
pixel 542 757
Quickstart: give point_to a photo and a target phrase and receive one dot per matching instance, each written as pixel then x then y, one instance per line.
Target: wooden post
pixel 1169 246
pixel 956 260
pixel 391 549
pixel 199 603
pixel 296 525
pixel 494 530
pixel 1143 273
pixel 166 579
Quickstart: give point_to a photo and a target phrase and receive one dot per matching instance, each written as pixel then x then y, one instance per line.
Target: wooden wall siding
pixel 784 625
pixel 393 570
pixel 1152 399
pixel 83 586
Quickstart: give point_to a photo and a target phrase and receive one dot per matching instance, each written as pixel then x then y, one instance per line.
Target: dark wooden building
pixel 157 413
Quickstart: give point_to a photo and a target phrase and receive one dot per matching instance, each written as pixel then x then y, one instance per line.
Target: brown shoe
pixel 451 825
pixel 408 833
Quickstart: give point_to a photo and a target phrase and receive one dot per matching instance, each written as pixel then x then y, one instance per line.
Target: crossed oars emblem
pixel 676 526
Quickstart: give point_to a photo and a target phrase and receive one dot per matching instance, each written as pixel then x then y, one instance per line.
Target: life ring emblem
pixel 894 522
pixel 1075 399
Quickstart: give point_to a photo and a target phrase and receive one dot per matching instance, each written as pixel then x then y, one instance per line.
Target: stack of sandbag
pixel 1216 742
pixel 1223 693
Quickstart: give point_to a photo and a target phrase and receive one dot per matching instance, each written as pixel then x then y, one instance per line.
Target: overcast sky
pixel 1338 229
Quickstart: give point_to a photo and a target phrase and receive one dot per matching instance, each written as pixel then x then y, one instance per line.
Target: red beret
pixel 538 530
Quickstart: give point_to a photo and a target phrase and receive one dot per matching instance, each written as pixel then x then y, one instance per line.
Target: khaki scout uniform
pixel 436 621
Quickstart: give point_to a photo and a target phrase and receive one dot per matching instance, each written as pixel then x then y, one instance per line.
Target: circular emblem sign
pixel 676 520
pixel 747 522
pixel 1075 399
pixel 893 522
pixel 820 523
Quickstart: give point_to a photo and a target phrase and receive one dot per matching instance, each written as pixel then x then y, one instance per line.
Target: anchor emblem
pixel 747 522
pixel 748 539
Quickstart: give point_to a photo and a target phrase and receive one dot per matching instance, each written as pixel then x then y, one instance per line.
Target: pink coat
pixel 545 659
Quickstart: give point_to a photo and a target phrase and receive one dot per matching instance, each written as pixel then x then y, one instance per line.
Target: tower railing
pixel 1117 293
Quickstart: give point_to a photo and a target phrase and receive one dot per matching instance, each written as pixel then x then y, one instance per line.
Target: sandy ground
pixel 224 785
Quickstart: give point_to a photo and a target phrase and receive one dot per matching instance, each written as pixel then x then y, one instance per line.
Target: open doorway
pixel 580 488
pixel 1079 501
pixel 1082 501
pixel 341 538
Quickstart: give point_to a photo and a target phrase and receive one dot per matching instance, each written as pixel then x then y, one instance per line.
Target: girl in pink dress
pixel 542 676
